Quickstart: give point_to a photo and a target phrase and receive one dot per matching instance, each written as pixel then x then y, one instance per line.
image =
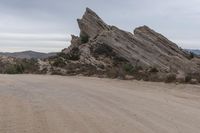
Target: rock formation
pixel 101 49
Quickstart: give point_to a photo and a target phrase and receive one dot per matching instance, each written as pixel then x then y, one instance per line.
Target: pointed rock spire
pixel 91 24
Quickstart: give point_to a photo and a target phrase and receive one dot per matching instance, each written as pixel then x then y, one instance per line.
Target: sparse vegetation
pixel 131 69
pixel 73 55
pixel 188 78
pixel 153 70
pixel 171 77
pixel 21 66
pixel 191 76
pixel 61 58
pixel 59 62
pixel 14 69
pixel 30 65
pixel 112 73
pixel 84 38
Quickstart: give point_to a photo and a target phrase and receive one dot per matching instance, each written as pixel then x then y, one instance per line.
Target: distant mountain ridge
pixel 28 54
pixel 195 51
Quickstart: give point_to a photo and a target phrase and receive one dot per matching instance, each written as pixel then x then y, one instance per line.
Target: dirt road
pixel 55 104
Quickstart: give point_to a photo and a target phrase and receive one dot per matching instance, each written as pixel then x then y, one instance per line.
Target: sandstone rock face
pixel 107 48
pixel 91 24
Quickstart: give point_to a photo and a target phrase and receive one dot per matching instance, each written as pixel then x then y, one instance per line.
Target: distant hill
pixel 195 51
pixel 28 54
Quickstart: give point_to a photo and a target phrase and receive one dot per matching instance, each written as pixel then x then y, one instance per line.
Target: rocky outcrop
pixel 91 24
pixel 106 48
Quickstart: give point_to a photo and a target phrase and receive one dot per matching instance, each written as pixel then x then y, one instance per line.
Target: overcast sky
pixel 46 25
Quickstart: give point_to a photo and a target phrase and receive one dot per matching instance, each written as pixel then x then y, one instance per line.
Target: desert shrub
pixel 59 62
pixel 84 38
pixel 61 54
pixel 43 71
pixel 130 69
pixel 153 70
pixel 14 69
pixel 181 79
pixel 171 77
pixel 195 75
pixel 21 66
pixel 153 77
pixel 121 74
pixel 57 72
pixel 73 55
pixel 112 73
pixel 188 78
pixel 79 68
pixel 29 65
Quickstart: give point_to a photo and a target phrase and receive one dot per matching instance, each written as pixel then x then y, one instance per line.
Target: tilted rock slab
pixel 144 47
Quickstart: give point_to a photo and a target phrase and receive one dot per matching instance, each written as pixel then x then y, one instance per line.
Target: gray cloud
pixel 34 37
pixel 46 25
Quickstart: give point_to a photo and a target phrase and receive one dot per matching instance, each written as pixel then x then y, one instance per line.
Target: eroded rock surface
pixel 107 50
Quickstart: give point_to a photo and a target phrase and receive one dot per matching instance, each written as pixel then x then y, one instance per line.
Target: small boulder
pixel 129 77
pixel 181 78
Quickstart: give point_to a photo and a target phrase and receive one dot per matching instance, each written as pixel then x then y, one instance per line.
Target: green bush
pixel 73 55
pixel 171 77
pixel 188 78
pixel 20 66
pixel 59 62
pixel 153 70
pixel 130 69
pixel 112 73
pixel 29 65
pixel 14 69
pixel 84 38
pixel 61 54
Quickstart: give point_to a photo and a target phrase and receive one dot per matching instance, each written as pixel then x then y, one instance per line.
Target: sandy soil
pixel 55 104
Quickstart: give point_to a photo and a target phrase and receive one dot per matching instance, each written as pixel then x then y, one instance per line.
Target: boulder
pixel 129 77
